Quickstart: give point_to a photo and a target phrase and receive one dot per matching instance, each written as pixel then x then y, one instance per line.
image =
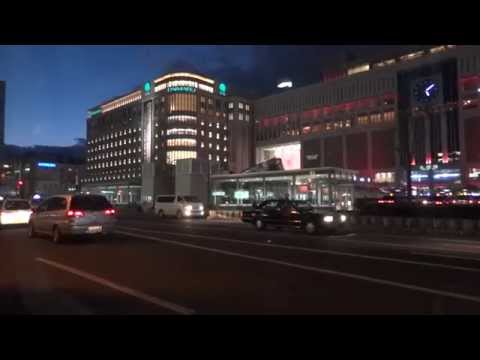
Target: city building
pixel 414 113
pixel 135 140
pixel 41 171
pixel 2 112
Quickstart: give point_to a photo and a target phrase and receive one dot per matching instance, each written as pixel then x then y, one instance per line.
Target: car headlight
pixel 328 219
pixel 188 208
pixel 343 218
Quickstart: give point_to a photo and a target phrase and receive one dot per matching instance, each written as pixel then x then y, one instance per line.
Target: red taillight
pixel 438 203
pixel 110 212
pixel 75 213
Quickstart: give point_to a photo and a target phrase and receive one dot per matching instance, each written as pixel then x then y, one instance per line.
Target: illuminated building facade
pixel 379 117
pixel 135 140
pixel 2 112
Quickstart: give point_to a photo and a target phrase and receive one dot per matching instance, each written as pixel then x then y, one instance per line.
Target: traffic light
pixel 19 184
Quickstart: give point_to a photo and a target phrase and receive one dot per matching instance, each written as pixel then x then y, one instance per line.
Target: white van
pixel 179 206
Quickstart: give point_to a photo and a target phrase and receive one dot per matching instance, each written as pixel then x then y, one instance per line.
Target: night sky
pixel 50 88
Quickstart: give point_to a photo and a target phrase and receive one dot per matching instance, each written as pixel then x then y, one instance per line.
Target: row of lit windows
pixel 293 129
pixel 217 125
pixel 182 142
pixel 107 164
pixel 374 119
pixel 113 145
pixel 240 106
pixel 183 102
pixel 202 145
pixel 173 156
pixel 241 117
pixel 182 131
pixel 217 158
pixel 113 135
pixel 110 154
pixel 113 177
pixel 182 118
pixel 136 96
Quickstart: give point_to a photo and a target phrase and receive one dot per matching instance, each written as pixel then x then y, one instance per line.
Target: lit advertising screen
pixel 289 153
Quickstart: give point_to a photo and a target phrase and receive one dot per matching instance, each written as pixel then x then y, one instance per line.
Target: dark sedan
pixel 297 214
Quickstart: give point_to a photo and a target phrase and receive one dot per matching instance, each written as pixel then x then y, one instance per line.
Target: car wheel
pixel 179 214
pixel 259 224
pixel 161 214
pixel 31 231
pixel 56 235
pixel 310 227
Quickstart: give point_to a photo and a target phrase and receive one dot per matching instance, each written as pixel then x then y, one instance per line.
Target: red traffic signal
pixel 19 183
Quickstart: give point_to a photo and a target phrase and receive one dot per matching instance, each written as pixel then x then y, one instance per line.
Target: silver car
pixel 64 215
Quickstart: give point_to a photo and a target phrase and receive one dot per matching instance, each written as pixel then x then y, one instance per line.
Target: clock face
pixel 426 91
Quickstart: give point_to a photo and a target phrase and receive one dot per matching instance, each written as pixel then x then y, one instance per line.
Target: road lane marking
pixel 439 247
pixel 446 256
pixel 421 289
pixel 319 251
pixel 107 283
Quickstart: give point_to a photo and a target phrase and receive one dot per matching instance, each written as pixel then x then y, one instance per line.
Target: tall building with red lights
pixel 416 113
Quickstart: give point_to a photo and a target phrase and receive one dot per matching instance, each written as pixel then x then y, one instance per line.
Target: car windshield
pixel 17 205
pixel 190 198
pixel 90 202
pixel 303 205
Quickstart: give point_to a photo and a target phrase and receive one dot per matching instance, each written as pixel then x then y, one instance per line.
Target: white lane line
pixel 318 251
pixel 107 283
pixel 407 247
pixel 422 289
pixel 446 256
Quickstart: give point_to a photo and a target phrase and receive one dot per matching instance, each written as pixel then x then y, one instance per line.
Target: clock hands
pixel 427 90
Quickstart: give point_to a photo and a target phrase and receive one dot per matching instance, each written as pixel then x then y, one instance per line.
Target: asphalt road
pixel 189 267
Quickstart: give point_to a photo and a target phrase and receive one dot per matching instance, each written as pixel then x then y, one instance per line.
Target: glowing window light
pixel 285 84
pixel 46 165
pixel 184 74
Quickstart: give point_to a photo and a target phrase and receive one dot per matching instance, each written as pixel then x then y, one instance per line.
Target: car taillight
pixel 110 212
pixel 75 213
pixel 438 203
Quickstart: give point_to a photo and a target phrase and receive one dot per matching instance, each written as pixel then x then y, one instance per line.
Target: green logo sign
pixel 222 89
pixel 147 87
pixel 187 89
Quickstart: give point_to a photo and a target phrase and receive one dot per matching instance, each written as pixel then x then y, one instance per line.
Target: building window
pixel 202 133
pixel 224 148
pixel 209 145
pixel 230 116
pixel 376 118
pixel 225 138
pixel 247 107
pixel 247 117
pixel 218 147
pixel 240 116
pixel 202 145
pixel 209 134
pixel 218 158
pixel 240 105
pixel 218 125
pixel 218 136
pixel 389 116
pixel 362 120
pixel 230 105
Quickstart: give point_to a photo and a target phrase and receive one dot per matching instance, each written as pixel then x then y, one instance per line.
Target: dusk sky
pixel 50 88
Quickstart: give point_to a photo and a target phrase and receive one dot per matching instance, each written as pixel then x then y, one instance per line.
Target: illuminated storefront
pixel 322 187
pixel 289 153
